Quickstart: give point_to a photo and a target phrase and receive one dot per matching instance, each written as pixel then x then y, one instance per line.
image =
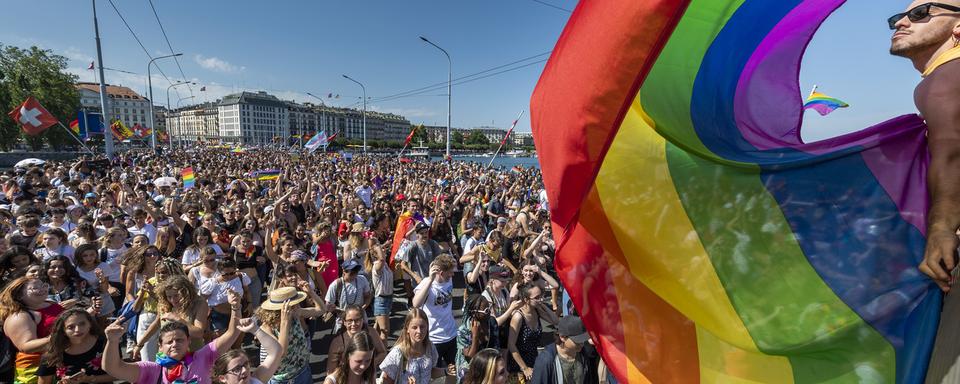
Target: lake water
pixel 506 162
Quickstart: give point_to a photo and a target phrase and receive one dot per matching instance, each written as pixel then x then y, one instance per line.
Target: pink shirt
pixel 197 372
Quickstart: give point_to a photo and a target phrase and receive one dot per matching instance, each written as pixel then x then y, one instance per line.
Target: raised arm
pixel 936 98
pixel 224 342
pixel 112 362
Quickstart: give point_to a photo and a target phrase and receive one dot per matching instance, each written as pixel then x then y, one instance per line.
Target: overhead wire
pixel 137 39
pixel 175 59
pixel 552 6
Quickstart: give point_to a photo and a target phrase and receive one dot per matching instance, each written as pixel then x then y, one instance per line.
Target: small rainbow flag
pixel 238 150
pixel 266 174
pixel 823 104
pixel 188 178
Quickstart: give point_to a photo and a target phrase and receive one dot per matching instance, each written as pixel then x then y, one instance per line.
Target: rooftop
pixel 116 91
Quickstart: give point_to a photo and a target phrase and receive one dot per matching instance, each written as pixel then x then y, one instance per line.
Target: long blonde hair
pixel 403 342
pixel 105 239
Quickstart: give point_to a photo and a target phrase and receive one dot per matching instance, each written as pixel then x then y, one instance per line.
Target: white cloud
pixel 76 54
pixel 216 64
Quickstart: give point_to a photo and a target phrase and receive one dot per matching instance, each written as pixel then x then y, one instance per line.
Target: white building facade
pixel 123 103
pixel 253 119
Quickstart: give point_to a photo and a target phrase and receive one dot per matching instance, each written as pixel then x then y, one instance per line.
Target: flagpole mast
pixel 76 138
pixel 505 139
pixel 107 139
pixel 812 91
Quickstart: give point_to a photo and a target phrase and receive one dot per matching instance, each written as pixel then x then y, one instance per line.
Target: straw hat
pixel 356 227
pixel 283 295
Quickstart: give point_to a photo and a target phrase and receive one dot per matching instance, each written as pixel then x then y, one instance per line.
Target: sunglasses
pixel 918 13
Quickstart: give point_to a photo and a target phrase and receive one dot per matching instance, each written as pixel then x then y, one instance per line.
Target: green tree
pixel 420 134
pixel 477 138
pixel 39 73
pixel 456 138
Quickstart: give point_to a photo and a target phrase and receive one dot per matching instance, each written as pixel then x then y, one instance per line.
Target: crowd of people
pixel 128 270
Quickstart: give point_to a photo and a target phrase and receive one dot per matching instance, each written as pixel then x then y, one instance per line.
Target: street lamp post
pixel 153 121
pixel 323 115
pixel 449 88
pixel 175 85
pixel 169 131
pixel 364 89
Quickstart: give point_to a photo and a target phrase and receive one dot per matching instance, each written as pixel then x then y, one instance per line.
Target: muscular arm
pixel 936 98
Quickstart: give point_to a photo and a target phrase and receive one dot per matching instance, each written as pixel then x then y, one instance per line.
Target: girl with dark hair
pixel 193 255
pixel 353 323
pixel 85 233
pixel 66 287
pixel 413 357
pixel 27 320
pixel 487 367
pixel 113 251
pixel 75 350
pixel 358 363
pixel 525 330
pixel 53 243
pixel 14 263
pixel 90 269
pixel 477 331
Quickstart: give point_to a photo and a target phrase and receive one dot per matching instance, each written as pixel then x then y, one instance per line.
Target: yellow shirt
pixel 946 57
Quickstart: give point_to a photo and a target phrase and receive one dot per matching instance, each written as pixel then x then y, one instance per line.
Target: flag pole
pixel 82 144
pixel 812 91
pixel 504 139
pixel 399 155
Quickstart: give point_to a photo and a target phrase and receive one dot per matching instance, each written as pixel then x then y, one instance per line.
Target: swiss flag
pixel 33 117
pixel 410 136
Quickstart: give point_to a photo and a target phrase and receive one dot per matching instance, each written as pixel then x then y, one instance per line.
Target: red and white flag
pixel 32 117
pixel 410 136
pixel 509 131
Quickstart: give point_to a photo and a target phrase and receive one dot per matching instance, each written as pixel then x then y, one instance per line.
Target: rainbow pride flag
pixel 701 240
pixel 823 104
pixel 265 175
pixel 188 178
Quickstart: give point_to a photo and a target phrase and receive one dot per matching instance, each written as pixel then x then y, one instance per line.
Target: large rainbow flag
pixel 698 236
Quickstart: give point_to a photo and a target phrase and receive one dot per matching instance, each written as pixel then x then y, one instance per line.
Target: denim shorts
pixel 382 305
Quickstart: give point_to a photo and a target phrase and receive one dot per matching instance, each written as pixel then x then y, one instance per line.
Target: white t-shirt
pixel 216 291
pixel 148 229
pixel 113 260
pixel 439 309
pixel 45 254
pixel 192 254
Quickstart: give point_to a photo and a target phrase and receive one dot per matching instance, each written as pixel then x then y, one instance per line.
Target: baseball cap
pixel 572 327
pixel 299 255
pixel 90 195
pixel 350 265
pixel 498 271
pixel 421 226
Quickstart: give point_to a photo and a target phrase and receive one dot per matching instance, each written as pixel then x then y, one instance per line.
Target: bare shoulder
pixel 940 86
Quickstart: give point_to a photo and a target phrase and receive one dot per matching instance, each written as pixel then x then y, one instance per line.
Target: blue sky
pixel 289 48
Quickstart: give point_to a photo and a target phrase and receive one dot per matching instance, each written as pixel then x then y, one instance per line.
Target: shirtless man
pixel 929 35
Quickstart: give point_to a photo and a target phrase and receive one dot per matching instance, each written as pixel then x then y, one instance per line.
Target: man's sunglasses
pixel 918 13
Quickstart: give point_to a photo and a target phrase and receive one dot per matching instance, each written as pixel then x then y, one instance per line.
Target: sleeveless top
pixel 48 316
pixel 297 356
